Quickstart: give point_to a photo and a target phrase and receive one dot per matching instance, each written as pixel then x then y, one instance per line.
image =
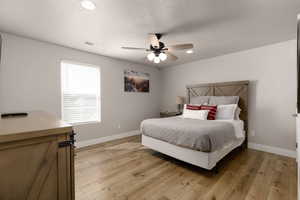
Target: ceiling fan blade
pixel 135 48
pixel 153 40
pixel 180 47
pixel 171 56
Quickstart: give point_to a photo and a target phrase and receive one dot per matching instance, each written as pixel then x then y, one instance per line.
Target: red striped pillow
pixel 212 111
pixel 193 107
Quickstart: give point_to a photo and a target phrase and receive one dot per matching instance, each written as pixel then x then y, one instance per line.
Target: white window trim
pixel 62 96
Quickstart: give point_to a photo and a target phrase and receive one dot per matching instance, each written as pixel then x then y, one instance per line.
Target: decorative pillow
pixel 223 100
pixel 212 111
pixel 226 111
pixel 192 107
pixel 199 100
pixel 195 114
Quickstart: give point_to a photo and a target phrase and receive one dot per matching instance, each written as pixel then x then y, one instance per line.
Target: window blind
pixel 80 93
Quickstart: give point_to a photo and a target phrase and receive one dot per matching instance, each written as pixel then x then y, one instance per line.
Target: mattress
pixel 200 135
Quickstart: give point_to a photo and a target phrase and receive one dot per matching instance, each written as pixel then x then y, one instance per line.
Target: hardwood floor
pixel 125 170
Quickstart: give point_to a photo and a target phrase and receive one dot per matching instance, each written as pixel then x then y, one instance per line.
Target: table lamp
pixel 179 102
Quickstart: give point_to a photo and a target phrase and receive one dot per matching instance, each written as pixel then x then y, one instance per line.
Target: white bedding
pixel 238 127
pixel 237 124
pixel 196 134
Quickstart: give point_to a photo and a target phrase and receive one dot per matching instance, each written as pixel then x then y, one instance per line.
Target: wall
pixel 30 80
pixel 272 72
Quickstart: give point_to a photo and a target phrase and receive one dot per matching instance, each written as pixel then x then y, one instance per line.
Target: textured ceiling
pixel 215 27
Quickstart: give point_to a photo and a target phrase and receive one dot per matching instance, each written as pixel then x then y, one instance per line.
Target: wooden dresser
pixel 36 158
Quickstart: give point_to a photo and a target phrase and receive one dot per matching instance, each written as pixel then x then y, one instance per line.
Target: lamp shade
pixel 179 100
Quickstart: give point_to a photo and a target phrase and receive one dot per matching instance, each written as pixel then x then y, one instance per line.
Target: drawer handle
pixel 67 143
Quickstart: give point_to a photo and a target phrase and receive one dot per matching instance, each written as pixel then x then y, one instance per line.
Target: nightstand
pixel 169 114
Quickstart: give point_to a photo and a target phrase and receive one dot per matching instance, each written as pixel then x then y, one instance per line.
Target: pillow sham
pixel 226 111
pixel 212 111
pixel 195 114
pixel 192 107
pixel 199 100
pixel 237 113
pixel 223 100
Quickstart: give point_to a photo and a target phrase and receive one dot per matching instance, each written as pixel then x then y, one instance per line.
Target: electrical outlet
pixel 119 126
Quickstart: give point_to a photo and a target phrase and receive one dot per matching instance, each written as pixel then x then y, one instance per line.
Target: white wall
pixel 30 80
pixel 272 72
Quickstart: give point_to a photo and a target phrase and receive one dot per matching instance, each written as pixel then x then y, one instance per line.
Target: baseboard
pixel 270 149
pixel 259 147
pixel 86 143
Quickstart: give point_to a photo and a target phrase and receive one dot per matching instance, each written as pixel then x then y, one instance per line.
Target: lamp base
pixel 180 108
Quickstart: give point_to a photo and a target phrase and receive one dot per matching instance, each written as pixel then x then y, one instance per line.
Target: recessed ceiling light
pixel 190 51
pixel 89 43
pixel 87 4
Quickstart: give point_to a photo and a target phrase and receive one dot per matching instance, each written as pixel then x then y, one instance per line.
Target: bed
pixel 164 135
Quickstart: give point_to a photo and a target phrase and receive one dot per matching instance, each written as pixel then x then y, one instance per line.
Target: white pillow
pixel 226 111
pixel 195 114
pixel 237 113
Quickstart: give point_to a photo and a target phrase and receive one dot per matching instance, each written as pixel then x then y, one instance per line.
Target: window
pixel 80 93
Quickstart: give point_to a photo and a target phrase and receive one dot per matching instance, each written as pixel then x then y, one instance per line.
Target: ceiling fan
pixel 158 51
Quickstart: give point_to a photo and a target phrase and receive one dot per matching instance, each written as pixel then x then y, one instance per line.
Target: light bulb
pixel 156 60
pixel 87 4
pixel 163 56
pixel 151 56
pixel 190 51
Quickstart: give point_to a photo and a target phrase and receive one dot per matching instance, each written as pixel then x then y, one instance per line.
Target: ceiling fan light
pixel 190 51
pixel 88 5
pixel 151 56
pixel 156 60
pixel 163 56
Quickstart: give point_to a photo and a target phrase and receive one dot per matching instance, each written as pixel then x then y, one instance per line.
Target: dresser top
pixel 35 124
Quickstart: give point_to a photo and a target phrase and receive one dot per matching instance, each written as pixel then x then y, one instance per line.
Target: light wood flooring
pixel 125 170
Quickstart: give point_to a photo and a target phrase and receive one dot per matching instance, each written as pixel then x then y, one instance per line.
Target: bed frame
pixel 203 159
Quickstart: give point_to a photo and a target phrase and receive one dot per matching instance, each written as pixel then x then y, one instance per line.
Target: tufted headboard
pixel 236 88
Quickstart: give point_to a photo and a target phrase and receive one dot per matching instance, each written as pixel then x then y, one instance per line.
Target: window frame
pixel 62 93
